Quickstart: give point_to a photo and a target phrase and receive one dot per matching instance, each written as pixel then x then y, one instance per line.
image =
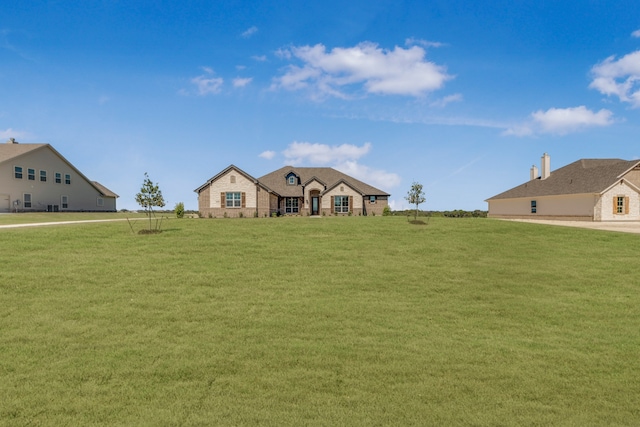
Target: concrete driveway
pixel 623 227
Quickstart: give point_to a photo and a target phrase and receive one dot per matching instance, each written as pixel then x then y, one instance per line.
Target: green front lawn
pixel 319 321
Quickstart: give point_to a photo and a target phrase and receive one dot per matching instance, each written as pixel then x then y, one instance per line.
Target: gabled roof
pixel 328 176
pixel 343 182
pixel 104 190
pixel 224 172
pixel 583 176
pixel 9 151
pixel 314 178
pixel 14 150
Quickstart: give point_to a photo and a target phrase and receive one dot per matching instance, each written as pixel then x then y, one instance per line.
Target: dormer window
pixel 292 179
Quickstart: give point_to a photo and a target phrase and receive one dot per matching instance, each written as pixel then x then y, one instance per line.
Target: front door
pixel 315 204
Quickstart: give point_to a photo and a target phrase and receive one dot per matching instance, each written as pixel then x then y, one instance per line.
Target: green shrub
pixel 386 211
pixel 179 210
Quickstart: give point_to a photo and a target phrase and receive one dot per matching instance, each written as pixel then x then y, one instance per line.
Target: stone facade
pixel 269 195
pixel 607 205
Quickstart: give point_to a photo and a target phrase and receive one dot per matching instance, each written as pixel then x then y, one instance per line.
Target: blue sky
pixel 460 96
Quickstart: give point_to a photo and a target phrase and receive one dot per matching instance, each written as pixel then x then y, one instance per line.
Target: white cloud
pixel 12 133
pixel 457 97
pixel 259 58
pixel 561 121
pixel 322 154
pixel 341 157
pixel 249 32
pixel 378 178
pixel 565 120
pixel 379 71
pixel 241 82
pixel 619 77
pixel 426 43
pixel 207 84
pixel 519 130
pixel 636 34
pixel 267 154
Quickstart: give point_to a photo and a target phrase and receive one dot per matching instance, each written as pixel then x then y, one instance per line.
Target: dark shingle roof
pixel 579 177
pixel 328 176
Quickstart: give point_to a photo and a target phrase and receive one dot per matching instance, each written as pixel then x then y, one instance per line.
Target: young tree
pixel 149 197
pixel 179 210
pixel 415 196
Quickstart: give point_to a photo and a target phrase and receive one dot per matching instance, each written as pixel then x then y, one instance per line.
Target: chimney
pixel 545 166
pixel 12 141
pixel 534 172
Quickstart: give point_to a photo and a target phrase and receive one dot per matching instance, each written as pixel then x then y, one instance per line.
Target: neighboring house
pixel 35 177
pixel 588 189
pixel 288 191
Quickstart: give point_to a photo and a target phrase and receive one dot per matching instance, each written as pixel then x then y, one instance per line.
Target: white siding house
pixel 35 177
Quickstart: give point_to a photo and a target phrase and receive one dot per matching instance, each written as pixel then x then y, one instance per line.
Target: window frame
pixel 290 207
pixel 67 179
pixel 43 175
pixel 64 202
pixel 230 202
pixel 534 206
pixel 343 206
pixel 25 203
pixel 58 178
pixel 100 202
pixel 31 174
pixel 291 180
pixel 17 170
pixel 620 208
pixel 372 200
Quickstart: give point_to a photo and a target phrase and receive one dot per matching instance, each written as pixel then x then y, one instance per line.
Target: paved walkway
pixel 623 227
pixel 40 224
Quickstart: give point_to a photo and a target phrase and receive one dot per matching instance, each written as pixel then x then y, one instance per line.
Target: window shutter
pixel 626 205
pixel 615 205
pixel 333 206
pixel 351 204
pixel 244 199
pixel 223 200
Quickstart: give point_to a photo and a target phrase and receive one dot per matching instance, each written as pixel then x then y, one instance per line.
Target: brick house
pixel 587 190
pixel 35 177
pixel 288 191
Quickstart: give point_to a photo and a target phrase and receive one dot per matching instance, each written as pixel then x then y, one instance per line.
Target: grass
pixel 40 217
pixel 319 321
